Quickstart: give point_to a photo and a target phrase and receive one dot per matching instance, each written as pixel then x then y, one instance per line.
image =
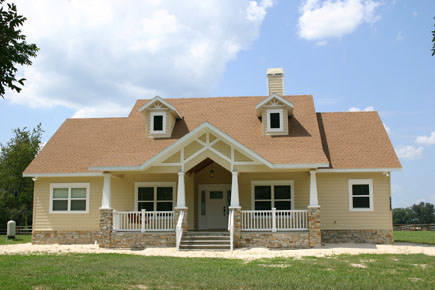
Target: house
pixel 221 172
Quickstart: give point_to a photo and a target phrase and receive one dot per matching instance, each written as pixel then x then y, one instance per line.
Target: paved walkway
pixel 246 253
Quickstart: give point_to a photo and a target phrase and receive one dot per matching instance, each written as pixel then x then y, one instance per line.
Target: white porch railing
pixel 231 228
pixel 179 229
pixel 143 221
pixel 274 220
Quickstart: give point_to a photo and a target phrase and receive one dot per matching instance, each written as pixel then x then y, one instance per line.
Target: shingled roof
pixel 343 140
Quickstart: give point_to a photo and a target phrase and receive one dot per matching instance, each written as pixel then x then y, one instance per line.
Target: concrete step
pixel 192 237
pixel 205 242
pixel 204 247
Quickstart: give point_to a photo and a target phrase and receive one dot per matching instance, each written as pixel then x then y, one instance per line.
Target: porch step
pixel 205 241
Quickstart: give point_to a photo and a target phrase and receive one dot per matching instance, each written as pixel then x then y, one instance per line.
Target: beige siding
pixel 301 186
pixel 333 190
pixel 276 85
pixel 223 148
pixel 43 220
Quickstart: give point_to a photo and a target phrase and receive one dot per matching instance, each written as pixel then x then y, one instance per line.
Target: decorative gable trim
pixel 273 99
pixel 163 102
pixel 194 136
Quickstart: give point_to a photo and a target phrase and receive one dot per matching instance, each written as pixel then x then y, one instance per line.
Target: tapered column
pixel 314 202
pixel 181 191
pixel 106 202
pixel 235 190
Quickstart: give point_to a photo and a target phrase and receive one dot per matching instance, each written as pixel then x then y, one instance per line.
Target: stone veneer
pixel 315 238
pixel 358 236
pixel 142 240
pixel 64 237
pixel 237 226
pixel 275 240
pixel 106 226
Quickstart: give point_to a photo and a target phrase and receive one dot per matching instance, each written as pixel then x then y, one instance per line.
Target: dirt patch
pixel 274 265
pixel 248 254
pixel 358 265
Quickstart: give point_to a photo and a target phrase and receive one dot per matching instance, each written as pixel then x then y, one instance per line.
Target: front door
pixel 214 200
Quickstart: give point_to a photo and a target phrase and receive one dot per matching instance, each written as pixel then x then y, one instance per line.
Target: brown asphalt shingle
pixel 356 140
pixel 81 143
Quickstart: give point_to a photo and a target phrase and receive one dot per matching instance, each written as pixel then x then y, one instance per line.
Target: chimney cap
pixel 275 71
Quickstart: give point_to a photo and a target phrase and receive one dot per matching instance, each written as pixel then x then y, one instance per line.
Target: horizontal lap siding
pixel 301 186
pixel 333 192
pixel 43 220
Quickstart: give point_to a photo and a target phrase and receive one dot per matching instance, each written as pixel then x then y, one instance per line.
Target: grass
pixel 121 271
pixel 19 239
pixel 420 237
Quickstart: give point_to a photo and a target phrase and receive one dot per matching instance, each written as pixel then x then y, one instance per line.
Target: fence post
pixel 273 220
pixel 143 221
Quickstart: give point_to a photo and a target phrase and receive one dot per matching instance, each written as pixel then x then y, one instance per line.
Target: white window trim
pixel 273 183
pixel 155 185
pixel 69 186
pixel 361 181
pixel 281 121
pixel 163 114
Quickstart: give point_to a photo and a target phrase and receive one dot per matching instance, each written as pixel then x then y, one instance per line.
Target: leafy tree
pixel 422 213
pixel 433 40
pixel 16 191
pixel 402 216
pixel 14 50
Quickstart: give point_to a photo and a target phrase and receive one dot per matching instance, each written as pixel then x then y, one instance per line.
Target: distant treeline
pixel 16 191
pixel 422 213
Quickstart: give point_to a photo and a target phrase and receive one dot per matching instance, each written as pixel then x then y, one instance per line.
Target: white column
pixel 235 190
pixel 106 199
pixel 313 189
pixel 181 191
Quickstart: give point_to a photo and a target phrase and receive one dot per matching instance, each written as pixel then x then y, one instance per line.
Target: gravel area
pixel 245 253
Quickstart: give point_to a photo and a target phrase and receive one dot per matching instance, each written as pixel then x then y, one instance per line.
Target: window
pixel 158 122
pixel 155 196
pixel 272 194
pixel 360 194
pixel 69 198
pixel 275 120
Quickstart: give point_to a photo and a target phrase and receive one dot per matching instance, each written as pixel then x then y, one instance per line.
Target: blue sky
pixel 96 59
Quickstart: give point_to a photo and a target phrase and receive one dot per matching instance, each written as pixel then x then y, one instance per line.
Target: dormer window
pixel 158 122
pixel 160 118
pixel 275 120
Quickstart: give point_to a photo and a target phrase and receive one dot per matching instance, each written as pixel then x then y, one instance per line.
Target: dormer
pixel 160 118
pixel 274 110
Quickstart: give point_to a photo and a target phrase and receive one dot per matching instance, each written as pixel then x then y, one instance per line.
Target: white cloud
pixel 415 13
pixel 322 19
pixel 98 56
pixel 367 109
pixel 387 128
pixel 426 140
pixel 409 152
pixel 321 43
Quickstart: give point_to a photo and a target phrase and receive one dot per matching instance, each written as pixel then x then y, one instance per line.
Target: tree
pixel 14 50
pixel 433 40
pixel 422 213
pixel 402 216
pixel 16 191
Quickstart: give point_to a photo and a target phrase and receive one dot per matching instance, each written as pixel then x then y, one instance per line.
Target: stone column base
pixel 315 236
pixel 106 226
pixel 177 214
pixel 237 225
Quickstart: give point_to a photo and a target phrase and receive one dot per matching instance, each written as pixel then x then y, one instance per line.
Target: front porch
pixel 216 207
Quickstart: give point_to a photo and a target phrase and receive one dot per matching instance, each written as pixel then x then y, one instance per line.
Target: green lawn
pixel 19 239
pixel 421 237
pixel 121 271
